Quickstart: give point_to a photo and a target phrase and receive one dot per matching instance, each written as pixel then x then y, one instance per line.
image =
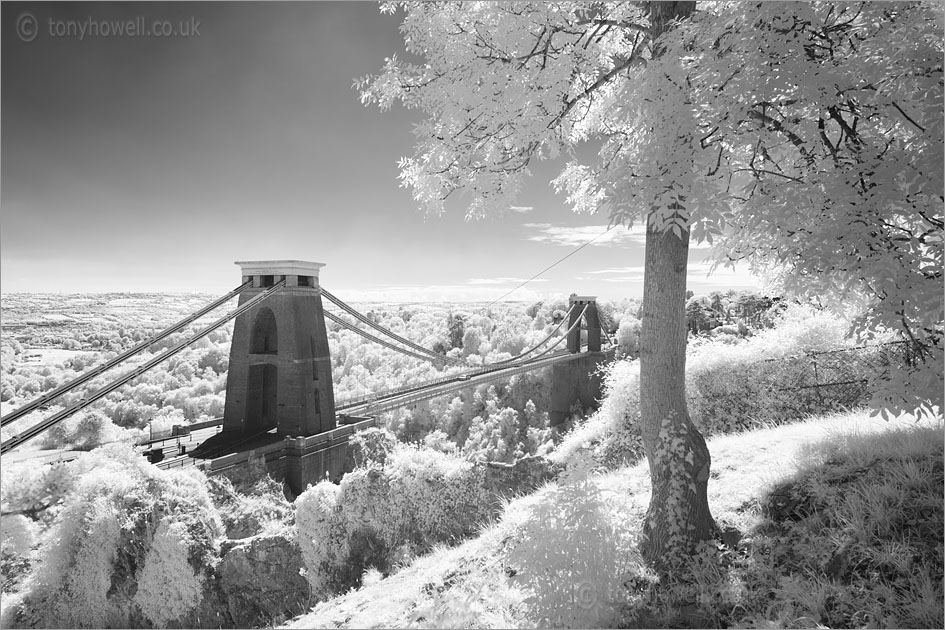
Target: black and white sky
pixel 143 163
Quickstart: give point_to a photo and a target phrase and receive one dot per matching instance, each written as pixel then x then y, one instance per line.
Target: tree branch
pixel 627 25
pixel 569 104
pixel 775 125
pixel 907 117
pixel 844 126
pixel 767 172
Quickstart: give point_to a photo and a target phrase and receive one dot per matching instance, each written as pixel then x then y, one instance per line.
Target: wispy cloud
pixel 573 236
pixel 619 270
pixel 501 281
pixel 439 293
pixel 521 209
pixel 622 279
pixel 621 274
pixel 699 276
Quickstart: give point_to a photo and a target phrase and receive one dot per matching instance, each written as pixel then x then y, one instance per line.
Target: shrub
pixel 564 552
pixel 371 446
pixel 628 337
pixel 734 386
pixel 74 580
pixel 251 504
pixel 37 492
pixel 19 536
pixel 168 586
pixel 381 515
pixel 321 535
pixel 84 431
pixel 100 548
pixel 612 433
pixel 769 378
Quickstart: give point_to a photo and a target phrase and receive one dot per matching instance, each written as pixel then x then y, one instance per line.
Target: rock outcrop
pixel 261 580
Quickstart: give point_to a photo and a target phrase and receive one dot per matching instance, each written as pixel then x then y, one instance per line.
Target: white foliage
pixel 168 587
pixel 420 497
pixel 613 422
pixel 566 553
pixel 79 566
pixel 313 519
pixel 115 498
pixel 805 138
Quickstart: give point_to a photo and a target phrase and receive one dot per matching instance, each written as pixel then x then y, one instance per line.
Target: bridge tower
pixel 578 381
pixel 577 303
pixel 280 368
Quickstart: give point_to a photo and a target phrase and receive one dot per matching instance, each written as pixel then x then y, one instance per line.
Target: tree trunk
pixel 678 516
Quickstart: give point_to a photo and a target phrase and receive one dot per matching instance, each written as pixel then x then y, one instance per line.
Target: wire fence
pixel 792 387
pixel 842 377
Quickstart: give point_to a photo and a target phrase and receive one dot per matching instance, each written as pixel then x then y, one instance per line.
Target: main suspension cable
pixel 378 340
pixel 354 313
pixel 127 354
pixel 107 389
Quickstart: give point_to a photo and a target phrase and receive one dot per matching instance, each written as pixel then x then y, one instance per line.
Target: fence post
pixel 820 394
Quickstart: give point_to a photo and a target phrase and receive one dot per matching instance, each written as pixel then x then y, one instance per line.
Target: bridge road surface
pixel 43 456
pixel 170 446
pixel 451 385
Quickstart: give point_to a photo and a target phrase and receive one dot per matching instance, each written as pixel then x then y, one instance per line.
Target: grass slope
pixel 832 522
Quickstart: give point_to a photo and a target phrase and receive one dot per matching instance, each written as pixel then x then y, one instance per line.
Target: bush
pixel 381 515
pixel 612 433
pixel 168 586
pixel 37 492
pixel 628 337
pixel 252 504
pixel 86 430
pixel 97 554
pixel 19 536
pixel 769 378
pixel 564 554
pixel 371 446
pixel 738 385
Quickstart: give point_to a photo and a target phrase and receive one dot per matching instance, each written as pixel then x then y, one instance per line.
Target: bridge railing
pixel 159 438
pixel 426 392
pixel 486 369
pixel 380 395
pixel 276 450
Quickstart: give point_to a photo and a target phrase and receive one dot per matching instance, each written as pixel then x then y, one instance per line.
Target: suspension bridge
pixel 280 404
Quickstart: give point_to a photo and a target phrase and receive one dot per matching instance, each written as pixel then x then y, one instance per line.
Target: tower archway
pixel 265 336
pixel 262 391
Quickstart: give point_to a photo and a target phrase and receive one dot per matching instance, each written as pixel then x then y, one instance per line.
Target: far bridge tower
pixel 578 381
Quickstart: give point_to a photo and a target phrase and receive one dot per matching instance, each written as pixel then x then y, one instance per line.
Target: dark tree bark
pixel 678 516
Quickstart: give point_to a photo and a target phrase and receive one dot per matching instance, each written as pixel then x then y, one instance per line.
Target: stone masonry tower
pixel 280 368
pixel 578 304
pixel 578 381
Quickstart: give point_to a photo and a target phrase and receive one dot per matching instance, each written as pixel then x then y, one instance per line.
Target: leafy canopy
pixel 805 138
